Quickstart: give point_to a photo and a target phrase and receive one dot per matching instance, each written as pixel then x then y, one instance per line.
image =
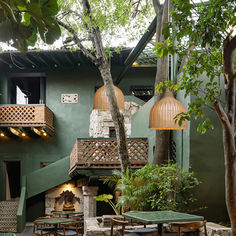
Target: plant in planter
pixel 108 198
pixel 156 187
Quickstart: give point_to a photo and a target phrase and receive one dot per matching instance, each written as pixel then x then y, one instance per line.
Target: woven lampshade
pixel 164 111
pixel 100 101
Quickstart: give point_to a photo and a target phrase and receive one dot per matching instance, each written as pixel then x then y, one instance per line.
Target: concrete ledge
pixel 217 230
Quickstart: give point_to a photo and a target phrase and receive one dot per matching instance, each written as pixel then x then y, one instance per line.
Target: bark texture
pixel 227 119
pixel 104 68
pixel 162 136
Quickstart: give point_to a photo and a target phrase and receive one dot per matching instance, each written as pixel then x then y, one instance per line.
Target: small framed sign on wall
pixel 69 98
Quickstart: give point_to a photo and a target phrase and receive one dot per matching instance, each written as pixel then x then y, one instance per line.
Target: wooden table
pixel 160 217
pixel 66 213
pixel 55 221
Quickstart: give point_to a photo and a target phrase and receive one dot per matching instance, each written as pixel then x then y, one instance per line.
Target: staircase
pixel 8 219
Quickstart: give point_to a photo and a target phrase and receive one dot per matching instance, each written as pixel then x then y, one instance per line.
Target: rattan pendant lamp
pixel 100 101
pixel 163 113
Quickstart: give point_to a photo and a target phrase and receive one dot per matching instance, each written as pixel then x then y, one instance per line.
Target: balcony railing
pixel 26 116
pixel 103 153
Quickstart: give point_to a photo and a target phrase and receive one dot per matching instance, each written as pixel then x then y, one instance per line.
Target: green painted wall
pixel 57 173
pixel 140 123
pixel 137 76
pixel 2 87
pixel 182 138
pixel 207 161
pixel 131 98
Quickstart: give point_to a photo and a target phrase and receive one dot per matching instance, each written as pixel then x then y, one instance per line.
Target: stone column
pixel 90 205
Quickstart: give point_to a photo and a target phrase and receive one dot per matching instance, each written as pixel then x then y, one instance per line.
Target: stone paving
pixel 28 231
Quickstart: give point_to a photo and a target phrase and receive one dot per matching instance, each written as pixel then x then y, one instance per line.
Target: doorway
pixel 11 180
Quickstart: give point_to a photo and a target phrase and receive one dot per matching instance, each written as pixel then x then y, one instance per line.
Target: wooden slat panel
pixel 103 153
pixel 26 116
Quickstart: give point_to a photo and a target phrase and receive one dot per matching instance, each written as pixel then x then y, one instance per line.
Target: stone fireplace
pixel 53 203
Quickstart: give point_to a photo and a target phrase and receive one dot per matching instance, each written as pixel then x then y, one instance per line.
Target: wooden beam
pixel 137 50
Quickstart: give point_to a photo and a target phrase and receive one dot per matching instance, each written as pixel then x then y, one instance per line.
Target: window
pixel 112 132
pixel 143 92
pixel 26 88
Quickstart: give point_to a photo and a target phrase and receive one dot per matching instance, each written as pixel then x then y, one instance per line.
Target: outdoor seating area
pixel 117 117
pixel 71 224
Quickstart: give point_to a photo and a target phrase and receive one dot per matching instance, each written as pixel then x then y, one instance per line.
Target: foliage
pixel 107 198
pixel 196 34
pixel 21 21
pixel 119 21
pixel 157 187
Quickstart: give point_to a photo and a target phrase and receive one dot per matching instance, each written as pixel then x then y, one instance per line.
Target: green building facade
pixel 49 75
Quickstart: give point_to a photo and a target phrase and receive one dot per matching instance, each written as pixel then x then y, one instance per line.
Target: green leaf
pixel 166 30
pixel 50 8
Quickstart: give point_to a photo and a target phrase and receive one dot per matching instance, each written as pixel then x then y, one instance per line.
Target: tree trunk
pixel 227 118
pixel 160 155
pixel 117 117
pixel 104 69
pixel 230 177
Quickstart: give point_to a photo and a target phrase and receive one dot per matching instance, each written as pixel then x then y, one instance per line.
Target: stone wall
pixel 101 121
pixel 53 193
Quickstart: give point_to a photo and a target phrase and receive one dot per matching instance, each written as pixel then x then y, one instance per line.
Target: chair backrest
pixel 119 223
pixel 192 225
pixel 66 226
pixel 38 226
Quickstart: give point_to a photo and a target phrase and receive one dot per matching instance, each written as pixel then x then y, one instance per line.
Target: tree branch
pixel 95 33
pixel 157 6
pixel 222 116
pixel 78 42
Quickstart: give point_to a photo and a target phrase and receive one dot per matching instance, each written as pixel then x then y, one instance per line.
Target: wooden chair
pixel 80 220
pixel 39 229
pixel 190 225
pixel 69 229
pixel 122 224
pixel 47 227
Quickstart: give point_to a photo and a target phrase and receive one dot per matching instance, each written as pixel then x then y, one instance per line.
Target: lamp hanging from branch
pixel 101 102
pixel 163 113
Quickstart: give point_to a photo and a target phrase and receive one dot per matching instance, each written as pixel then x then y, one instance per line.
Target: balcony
pixel 23 116
pixel 93 154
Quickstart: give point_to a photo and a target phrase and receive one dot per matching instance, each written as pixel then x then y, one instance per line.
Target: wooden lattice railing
pixel 26 116
pixel 103 153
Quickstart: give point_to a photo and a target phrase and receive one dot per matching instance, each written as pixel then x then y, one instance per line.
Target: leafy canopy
pixel 22 20
pixel 196 33
pixel 119 21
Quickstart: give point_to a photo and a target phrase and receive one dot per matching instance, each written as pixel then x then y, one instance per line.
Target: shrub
pixel 157 188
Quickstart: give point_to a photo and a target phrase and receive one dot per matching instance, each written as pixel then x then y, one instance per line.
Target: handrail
pixel 29 115
pixel 21 212
pixel 102 153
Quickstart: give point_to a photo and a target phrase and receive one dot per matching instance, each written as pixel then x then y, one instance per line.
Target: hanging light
pixel 163 113
pixel 100 101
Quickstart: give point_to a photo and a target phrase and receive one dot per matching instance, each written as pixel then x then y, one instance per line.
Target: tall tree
pixel 162 73
pixel 204 35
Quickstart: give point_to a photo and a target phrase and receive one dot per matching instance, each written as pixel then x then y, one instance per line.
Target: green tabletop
pixel 7 234
pixel 56 220
pixel 157 217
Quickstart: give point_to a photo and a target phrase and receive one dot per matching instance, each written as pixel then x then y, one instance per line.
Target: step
pixel 8 216
pixel 8 229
